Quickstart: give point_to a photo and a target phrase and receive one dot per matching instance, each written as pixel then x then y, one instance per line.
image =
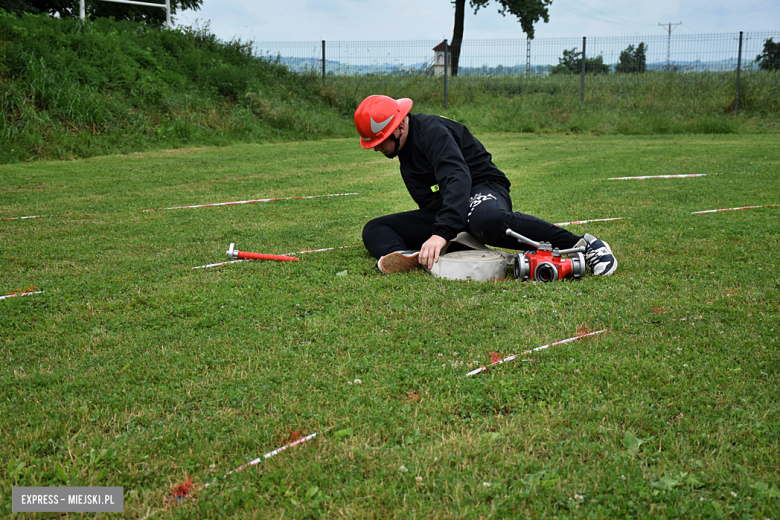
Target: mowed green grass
pixel 132 369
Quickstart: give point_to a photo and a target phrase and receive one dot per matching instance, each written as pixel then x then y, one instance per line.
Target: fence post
pixel 739 66
pixel 582 83
pixel 446 58
pixel 82 10
pixel 323 63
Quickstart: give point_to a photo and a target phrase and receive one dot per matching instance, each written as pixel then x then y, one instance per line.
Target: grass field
pixel 132 369
pixel 627 104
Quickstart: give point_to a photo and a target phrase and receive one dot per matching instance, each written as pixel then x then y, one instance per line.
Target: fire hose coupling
pixel 235 254
pixel 547 264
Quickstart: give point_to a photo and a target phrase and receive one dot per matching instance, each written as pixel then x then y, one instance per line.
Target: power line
pixel 588 15
pixel 609 15
pixel 669 43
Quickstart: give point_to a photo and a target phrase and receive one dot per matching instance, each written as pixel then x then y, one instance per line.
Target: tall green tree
pixel 98 9
pixel 633 59
pixel 769 59
pixel 528 12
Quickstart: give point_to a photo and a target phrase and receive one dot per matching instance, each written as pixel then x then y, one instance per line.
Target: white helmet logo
pixel 378 127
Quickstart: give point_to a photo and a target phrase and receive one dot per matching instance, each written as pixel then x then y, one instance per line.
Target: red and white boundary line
pixel 270 454
pixel 20 294
pixel 220 263
pixel 510 358
pixel 22 218
pixel 735 209
pixel 586 221
pixel 253 201
pixel 320 250
pixel 286 254
pixel 657 177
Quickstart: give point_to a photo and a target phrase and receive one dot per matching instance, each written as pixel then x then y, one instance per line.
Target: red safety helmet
pixel 377 117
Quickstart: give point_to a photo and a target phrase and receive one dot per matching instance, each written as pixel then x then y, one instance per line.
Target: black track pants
pixel 490 214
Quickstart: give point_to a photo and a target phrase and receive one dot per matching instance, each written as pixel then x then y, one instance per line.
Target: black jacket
pixel 440 162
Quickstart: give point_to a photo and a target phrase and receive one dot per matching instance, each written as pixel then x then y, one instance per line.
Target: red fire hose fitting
pixel 547 264
pixel 243 255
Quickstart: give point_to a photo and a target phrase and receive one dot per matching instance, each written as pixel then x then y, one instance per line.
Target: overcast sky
pixel 371 20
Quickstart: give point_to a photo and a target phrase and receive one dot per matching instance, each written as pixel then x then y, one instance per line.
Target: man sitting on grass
pixel 453 180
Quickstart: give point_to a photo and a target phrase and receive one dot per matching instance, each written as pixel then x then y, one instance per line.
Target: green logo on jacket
pixel 435 188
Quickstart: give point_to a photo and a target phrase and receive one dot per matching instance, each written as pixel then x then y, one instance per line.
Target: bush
pixel 571 63
pixel 769 59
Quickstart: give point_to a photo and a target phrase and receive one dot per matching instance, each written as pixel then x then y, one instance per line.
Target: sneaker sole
pixel 611 271
pixel 608 251
pixel 398 263
pixel 614 265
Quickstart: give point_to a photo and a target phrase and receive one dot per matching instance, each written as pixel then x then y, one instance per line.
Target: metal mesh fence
pixel 352 58
pixel 539 57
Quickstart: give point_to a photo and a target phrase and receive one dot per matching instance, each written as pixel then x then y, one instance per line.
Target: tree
pixel 633 60
pixel 568 63
pixel 33 6
pixel 571 63
pixel 770 58
pixel 528 12
pixel 98 9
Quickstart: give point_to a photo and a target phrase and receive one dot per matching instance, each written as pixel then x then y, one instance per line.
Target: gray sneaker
pixel 599 256
pixel 399 262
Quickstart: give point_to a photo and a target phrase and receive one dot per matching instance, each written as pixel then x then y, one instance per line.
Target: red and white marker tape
pixel 321 250
pixel 657 177
pixel 286 254
pixel 20 294
pixel 586 221
pixel 270 454
pixel 22 218
pixel 218 264
pixel 511 358
pixel 253 201
pixel 735 209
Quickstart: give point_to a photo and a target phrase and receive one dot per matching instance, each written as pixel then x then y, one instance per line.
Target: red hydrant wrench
pixel 243 255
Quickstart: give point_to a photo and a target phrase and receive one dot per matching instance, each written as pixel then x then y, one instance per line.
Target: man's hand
pixel 429 252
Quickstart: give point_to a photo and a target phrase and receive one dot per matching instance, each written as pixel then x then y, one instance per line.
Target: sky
pixel 367 20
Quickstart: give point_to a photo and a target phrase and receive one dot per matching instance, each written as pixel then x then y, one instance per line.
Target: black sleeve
pixel 452 174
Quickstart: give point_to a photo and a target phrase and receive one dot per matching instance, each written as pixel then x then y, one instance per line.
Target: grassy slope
pixel 132 370
pixel 71 89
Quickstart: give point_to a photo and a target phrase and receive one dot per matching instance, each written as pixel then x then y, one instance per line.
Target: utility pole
pixel 669 44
